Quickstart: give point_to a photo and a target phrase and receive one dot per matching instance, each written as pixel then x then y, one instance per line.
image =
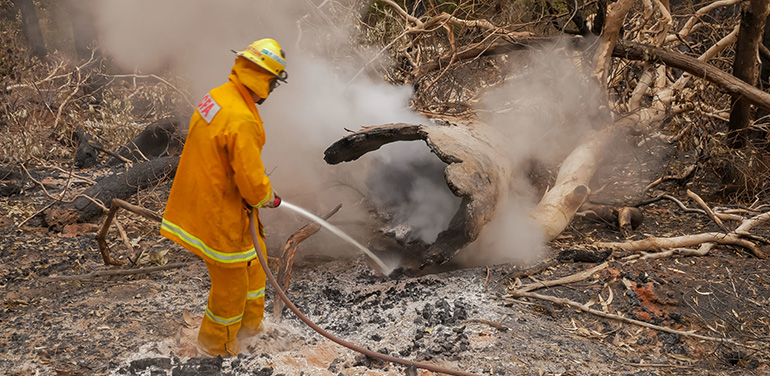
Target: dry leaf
pixel 188 320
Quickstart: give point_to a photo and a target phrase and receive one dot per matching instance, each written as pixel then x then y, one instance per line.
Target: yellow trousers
pixel 236 303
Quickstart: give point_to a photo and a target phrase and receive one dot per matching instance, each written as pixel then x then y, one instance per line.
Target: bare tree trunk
pixel 745 65
pixel 31 26
pixel 83 28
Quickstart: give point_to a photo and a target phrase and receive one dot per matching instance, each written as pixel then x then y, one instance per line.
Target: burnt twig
pixel 100 237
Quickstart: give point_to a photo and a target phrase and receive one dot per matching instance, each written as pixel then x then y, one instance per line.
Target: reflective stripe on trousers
pixel 236 300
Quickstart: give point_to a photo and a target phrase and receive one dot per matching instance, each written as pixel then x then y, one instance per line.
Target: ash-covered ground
pixel 457 320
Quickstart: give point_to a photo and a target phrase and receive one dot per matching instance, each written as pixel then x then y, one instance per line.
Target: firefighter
pixel 219 179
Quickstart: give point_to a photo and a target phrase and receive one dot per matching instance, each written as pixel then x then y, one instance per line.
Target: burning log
pixel 477 171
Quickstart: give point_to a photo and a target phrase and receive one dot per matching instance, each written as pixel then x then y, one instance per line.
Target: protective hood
pixel 252 76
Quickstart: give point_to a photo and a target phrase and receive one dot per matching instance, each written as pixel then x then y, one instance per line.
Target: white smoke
pixel 543 109
pixel 408 179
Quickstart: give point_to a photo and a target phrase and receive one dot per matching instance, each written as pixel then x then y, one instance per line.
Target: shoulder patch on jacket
pixel 208 107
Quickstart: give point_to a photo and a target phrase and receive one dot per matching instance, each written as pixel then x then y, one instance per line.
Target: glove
pixel 274 203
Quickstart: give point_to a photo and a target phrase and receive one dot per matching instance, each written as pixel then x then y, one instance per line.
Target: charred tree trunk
pixel 746 67
pixel 478 171
pixel 92 202
pixel 31 25
pixel 157 139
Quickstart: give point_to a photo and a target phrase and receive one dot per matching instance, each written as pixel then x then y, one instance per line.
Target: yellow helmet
pixel 267 53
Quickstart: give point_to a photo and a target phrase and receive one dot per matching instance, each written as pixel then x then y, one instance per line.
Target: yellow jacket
pixel 220 170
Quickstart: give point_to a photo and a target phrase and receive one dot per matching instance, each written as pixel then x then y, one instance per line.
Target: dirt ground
pixel 145 324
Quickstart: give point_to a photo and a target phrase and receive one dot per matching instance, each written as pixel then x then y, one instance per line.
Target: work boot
pixel 245 332
pixel 214 351
pixel 247 337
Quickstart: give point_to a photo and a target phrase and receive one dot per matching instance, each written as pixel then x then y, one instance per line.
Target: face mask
pixel 274 83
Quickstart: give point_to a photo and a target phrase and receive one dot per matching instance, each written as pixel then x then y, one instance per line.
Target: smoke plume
pixel 541 110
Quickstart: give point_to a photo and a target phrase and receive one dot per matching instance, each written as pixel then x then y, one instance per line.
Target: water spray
pixel 384 269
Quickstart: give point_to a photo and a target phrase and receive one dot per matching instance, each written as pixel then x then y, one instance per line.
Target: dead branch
pixel 748 224
pixel 558 206
pixel 707 209
pixel 184 94
pixel 64 102
pixel 111 273
pixel 683 242
pixel 616 14
pixel 670 198
pixel 114 206
pixel 681 177
pixel 688 27
pixel 401 12
pixel 733 85
pixel 585 308
pixel 36 214
pixel 528 272
pixel 287 257
pixel 577 277
pixel 703 250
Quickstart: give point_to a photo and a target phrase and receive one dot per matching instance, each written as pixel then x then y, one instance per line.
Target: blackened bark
pixel 122 186
pixel 745 66
pixel 87 152
pixel 10 182
pixel 157 139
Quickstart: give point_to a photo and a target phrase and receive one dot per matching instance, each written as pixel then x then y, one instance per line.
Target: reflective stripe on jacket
pixel 220 169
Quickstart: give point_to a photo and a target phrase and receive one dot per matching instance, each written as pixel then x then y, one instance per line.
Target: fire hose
pixel 372 354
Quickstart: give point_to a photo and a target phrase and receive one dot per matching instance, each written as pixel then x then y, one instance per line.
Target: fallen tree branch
pixel 637 51
pixel 118 272
pixel 681 177
pixel 577 277
pixel 704 249
pixel 688 27
pixel 707 209
pixel 622 49
pixel 671 198
pixel 748 224
pixel 584 308
pixel 683 242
